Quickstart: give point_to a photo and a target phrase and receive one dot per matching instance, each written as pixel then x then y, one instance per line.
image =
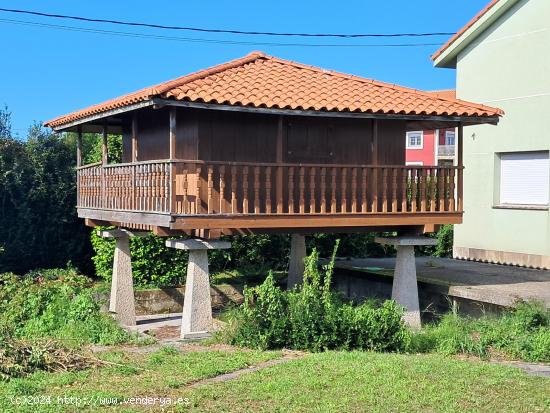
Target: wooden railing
pixel 204 187
pixel 143 186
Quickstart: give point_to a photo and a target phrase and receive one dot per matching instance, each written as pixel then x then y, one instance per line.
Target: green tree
pixel 37 202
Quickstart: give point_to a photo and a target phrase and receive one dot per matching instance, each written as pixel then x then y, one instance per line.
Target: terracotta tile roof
pixel 444 93
pixel 466 27
pixel 262 81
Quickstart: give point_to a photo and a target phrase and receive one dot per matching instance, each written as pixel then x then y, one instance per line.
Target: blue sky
pixel 47 72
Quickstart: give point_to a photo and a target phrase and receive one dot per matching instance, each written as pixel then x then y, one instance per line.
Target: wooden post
pixel 460 162
pixel 134 139
pixel 104 147
pixel 79 146
pixel 375 186
pixel 279 159
pixel 172 143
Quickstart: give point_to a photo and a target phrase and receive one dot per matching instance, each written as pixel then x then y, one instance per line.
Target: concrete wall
pixel 508 66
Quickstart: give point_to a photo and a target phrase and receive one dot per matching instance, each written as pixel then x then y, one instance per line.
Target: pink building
pixel 432 147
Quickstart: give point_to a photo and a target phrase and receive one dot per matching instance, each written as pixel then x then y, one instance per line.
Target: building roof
pixel 445 56
pixel 261 81
pixel 444 93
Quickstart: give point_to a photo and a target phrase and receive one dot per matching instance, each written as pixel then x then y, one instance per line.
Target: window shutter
pixel 524 178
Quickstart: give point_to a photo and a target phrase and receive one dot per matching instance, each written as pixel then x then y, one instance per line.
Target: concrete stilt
pixel 296 263
pixel 196 319
pixel 121 303
pixel 405 287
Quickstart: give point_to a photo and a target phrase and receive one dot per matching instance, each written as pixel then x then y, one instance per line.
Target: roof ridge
pixel 212 70
pixel 376 82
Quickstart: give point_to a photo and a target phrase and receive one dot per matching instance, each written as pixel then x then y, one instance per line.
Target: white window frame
pixel 447 140
pixel 421 146
pixel 498 201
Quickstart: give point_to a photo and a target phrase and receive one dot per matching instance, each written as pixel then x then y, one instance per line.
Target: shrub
pixel 312 317
pixel 520 333
pixel 55 303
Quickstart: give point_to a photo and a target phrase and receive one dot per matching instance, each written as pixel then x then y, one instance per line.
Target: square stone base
pixel 196 335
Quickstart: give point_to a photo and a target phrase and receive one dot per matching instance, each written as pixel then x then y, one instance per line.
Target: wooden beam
pixel 173 132
pixel 134 138
pixel 172 142
pixel 96 223
pixel 460 162
pixel 309 220
pixel 279 160
pixel 104 147
pixel 326 114
pixel 79 147
pixel 375 142
pixel 66 127
pixel 144 218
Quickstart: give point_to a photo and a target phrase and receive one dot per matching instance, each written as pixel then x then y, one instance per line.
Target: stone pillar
pixel 196 319
pixel 405 287
pixel 121 303
pixel 296 264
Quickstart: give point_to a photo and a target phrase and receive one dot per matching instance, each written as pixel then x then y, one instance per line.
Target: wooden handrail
pixel 184 187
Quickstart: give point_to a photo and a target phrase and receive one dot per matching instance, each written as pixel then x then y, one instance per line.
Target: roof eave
pixel 96 116
pixel 447 58
pixel 158 103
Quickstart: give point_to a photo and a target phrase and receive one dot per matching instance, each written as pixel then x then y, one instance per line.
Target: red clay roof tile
pixel 259 80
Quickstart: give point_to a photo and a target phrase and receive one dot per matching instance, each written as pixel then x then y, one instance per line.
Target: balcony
pixel 446 151
pixel 185 194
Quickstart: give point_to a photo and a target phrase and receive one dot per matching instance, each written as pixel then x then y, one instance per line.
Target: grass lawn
pixel 371 382
pixel 162 373
pixel 325 382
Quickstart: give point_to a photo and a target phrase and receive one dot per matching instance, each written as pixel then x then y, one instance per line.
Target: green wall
pixel 508 66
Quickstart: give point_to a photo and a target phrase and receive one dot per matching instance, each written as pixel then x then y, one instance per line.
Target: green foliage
pixel 312 317
pixel 37 198
pixel 521 333
pixel 54 303
pixel 153 264
pixel 444 247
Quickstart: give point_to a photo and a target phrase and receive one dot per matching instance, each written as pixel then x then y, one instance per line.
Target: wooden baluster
pixel 384 189
pixel 245 190
pixel 291 190
pixel 344 199
pixel 354 190
pixel 451 172
pixel 442 188
pixel 333 191
pixel 256 189
pixel 312 206
pixel 432 190
pixel 422 179
pixel 210 189
pixel 394 190
pixel 268 190
pixel 364 178
pixel 222 189
pixel 323 190
pixel 234 190
pixel 404 180
pixel 375 189
pixel 413 190
pixel 279 188
pixel 302 206
pixel 185 191
pixel 198 200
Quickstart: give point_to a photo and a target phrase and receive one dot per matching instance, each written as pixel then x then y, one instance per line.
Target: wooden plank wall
pixel 251 137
